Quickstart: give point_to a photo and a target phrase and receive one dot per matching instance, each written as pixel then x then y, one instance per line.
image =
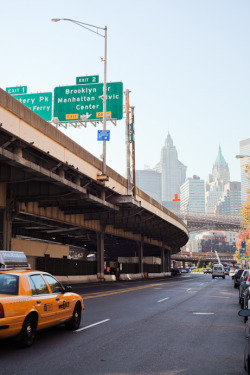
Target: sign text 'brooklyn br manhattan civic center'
pixel 85 102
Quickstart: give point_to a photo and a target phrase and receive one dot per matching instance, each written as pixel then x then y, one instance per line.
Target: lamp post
pixel 242 156
pixel 90 28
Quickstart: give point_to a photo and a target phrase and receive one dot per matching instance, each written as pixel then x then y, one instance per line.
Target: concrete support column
pixel 5 219
pixel 7 229
pixel 167 261
pixel 100 254
pixel 140 254
pixel 163 266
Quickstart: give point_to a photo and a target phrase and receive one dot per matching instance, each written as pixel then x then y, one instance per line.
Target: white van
pixel 218 271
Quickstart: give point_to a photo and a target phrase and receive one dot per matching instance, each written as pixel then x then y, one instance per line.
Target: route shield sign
pixel 103 135
pixel 40 103
pixel 85 102
pixel 16 90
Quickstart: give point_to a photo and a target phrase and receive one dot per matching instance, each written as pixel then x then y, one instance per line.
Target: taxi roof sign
pixel 13 259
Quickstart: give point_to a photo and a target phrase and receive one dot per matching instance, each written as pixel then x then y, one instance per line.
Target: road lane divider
pixel 92 325
pixel 119 291
pixel 164 299
pixel 217 297
pixel 202 313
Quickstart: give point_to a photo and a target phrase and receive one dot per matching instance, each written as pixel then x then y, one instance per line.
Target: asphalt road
pixel 184 325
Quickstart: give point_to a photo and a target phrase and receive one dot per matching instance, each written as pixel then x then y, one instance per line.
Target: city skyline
pixel 185 63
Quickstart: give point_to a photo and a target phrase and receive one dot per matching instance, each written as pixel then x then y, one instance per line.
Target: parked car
pixel 32 300
pixel 207 270
pixel 232 272
pixel 237 277
pixel 246 313
pixel 243 286
pixel 246 295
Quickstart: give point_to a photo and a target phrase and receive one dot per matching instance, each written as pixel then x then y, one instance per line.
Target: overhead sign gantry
pixel 85 102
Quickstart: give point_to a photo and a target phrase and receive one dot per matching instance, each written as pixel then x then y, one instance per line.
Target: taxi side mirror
pixel 245 312
pixel 68 288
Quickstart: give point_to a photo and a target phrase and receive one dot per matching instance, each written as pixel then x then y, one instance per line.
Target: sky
pixel 186 63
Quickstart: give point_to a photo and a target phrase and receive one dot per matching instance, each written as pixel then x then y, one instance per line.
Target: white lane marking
pixel 201 283
pixel 164 299
pixel 202 313
pixel 189 289
pixel 92 325
pixel 218 297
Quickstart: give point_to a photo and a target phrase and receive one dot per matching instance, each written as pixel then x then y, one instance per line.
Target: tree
pixel 210 265
pixel 244 235
pixel 201 263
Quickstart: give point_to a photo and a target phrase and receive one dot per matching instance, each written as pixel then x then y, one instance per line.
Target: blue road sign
pixel 103 135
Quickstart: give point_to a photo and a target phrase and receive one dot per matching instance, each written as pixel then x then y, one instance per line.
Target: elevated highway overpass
pixel 205 258
pixel 50 191
pixel 198 222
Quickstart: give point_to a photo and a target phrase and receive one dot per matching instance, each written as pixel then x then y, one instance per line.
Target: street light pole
pixel 104 101
pixel 242 156
pixel 105 29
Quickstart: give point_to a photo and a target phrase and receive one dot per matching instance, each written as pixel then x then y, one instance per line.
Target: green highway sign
pixel 87 79
pixel 40 103
pixel 85 102
pixel 16 90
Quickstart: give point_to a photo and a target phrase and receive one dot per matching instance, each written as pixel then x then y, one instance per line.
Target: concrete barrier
pixel 77 279
pixel 130 276
pixel 156 275
pixel 70 280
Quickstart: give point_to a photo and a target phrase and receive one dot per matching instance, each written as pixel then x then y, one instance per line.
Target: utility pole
pixel 130 141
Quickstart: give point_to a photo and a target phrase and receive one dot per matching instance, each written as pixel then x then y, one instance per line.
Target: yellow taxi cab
pixel 33 300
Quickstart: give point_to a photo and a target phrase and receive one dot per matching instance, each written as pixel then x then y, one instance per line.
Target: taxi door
pixel 63 301
pixel 43 300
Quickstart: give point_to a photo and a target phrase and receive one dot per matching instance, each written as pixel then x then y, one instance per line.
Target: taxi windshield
pixel 8 284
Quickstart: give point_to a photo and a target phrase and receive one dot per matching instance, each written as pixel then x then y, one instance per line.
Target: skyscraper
pixel 216 182
pixel 230 202
pixel 173 172
pixel 220 169
pixel 192 194
pixel 149 181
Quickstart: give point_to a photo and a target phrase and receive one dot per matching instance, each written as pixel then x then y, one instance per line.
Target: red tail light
pixel 1 311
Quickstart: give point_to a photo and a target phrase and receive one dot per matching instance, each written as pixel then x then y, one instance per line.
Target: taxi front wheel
pixel 75 321
pixel 28 331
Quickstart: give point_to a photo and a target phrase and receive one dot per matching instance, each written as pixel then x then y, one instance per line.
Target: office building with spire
pixel 163 182
pixel 173 173
pixel 216 181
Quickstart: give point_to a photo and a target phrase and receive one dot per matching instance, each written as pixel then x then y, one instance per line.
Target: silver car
pixel 246 313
